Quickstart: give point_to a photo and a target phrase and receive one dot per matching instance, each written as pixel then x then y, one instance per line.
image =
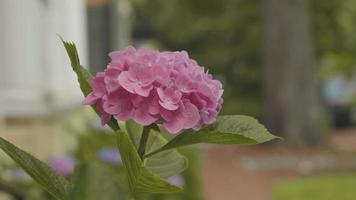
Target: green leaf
pixel 140 179
pixel 44 175
pixel 165 164
pixel 94 181
pixel 134 130
pixel 84 76
pixel 230 129
pixel 80 182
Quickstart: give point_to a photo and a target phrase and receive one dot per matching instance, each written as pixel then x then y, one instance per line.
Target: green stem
pixel 142 148
pixel 154 152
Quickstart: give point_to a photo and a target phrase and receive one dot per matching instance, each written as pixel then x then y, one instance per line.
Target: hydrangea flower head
pixel 150 86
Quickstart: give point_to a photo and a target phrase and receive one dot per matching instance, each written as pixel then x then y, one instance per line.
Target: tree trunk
pixel 291 95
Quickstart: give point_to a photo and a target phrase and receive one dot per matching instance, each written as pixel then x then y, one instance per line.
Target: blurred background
pixel 289 63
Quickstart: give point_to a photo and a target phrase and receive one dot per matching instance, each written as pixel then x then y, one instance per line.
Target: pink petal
pixel 142 117
pixel 100 106
pixel 153 108
pixel 150 103
pixel 168 105
pixel 90 99
pixel 161 93
pixel 221 91
pixel 185 84
pixel 161 72
pixel 124 115
pixel 126 83
pixel 111 77
pixel 118 64
pixel 198 101
pixel 143 74
pixel 98 84
pixel 113 110
pixel 169 94
pixel 136 100
pixel 112 86
pixel 112 71
pixel 118 55
pixel 209 116
pixel 205 90
pixel 105 119
pixel 174 126
pixel 114 97
pixel 143 91
pixel 190 115
pixel 168 115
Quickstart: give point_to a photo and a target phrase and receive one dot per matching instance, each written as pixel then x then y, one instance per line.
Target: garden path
pixel 248 172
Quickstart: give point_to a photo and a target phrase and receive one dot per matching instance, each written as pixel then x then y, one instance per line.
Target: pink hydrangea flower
pixel 150 86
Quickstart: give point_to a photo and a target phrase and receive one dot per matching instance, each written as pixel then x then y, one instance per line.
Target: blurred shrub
pixel 223 35
pixel 226 36
pixel 100 147
pixel 101 172
pixel 334 26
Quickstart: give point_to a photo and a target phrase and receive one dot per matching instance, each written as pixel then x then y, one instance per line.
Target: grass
pixel 326 187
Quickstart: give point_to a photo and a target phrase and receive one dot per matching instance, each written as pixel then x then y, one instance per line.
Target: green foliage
pixel 140 179
pixel 223 35
pixel 192 180
pixel 44 175
pixel 234 129
pixel 227 36
pixel 334 36
pixel 19 189
pixel 337 186
pixel 165 164
pixel 91 141
pixel 89 146
pixel 134 130
pixel 193 183
pixel 93 181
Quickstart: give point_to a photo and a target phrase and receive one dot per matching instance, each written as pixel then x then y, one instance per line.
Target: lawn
pixel 325 187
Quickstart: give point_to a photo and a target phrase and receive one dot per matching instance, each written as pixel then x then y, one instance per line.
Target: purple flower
pixel 148 86
pixel 177 180
pixel 109 155
pixel 64 165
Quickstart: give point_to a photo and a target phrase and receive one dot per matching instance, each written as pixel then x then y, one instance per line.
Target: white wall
pixel 35 76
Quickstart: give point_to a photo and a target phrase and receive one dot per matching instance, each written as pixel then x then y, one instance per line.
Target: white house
pixel 36 80
pixel 35 77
